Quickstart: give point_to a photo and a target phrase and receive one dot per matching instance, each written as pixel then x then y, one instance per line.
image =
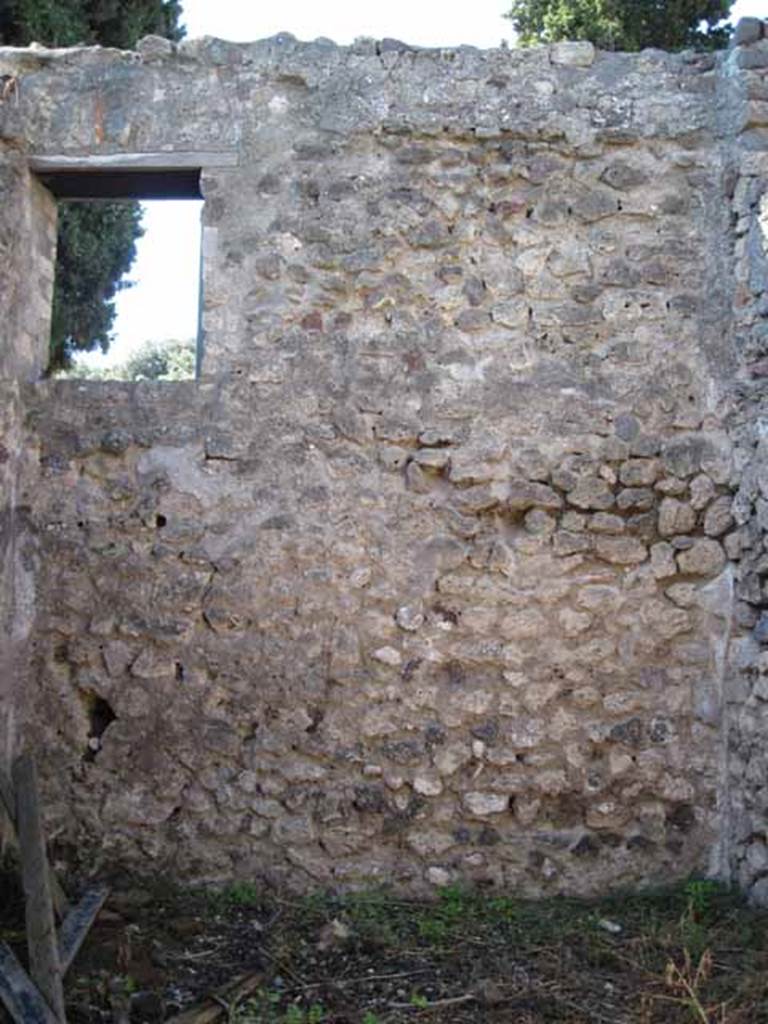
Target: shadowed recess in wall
pixel 100 716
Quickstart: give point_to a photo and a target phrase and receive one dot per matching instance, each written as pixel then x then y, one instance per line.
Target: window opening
pixel 143 323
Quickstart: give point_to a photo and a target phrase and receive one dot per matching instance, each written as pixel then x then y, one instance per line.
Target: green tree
pixel 119 23
pixel 96 242
pixel 96 247
pixel 154 360
pixel 624 24
pixel 162 360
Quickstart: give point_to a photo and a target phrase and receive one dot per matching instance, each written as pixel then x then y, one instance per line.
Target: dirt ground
pixel 693 953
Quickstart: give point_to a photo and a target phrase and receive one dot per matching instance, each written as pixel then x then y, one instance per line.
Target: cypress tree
pixel 96 241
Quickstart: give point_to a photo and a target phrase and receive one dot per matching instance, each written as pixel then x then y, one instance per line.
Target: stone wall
pixel 435 573
pixel 27 247
pixel 746 722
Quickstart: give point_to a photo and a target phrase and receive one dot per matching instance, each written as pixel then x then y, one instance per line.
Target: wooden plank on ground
pixel 221 1002
pixel 78 923
pixel 19 996
pixel 44 966
pixel 8 802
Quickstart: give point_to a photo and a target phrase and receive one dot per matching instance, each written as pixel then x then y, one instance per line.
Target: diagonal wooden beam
pixel 77 924
pixel 44 965
pixel 222 1002
pixel 20 997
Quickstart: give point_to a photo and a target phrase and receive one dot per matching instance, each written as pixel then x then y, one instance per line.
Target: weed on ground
pixel 692 953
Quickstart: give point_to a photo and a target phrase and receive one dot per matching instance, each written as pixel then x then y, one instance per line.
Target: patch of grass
pixel 678 950
pixel 693 953
pixel 240 894
pixel 377 918
pixel 454 908
pixel 267 1008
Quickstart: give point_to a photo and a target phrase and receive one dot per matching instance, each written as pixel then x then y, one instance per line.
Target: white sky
pixel 421 22
pixel 163 302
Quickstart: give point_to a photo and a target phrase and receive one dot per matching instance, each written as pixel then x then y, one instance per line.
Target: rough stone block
pixel 523 495
pixel 753 56
pixel 572 54
pixel 635 499
pixel 482 804
pixel 621 550
pixel 675 517
pixel 153 48
pixel 755 114
pixel 719 517
pixel 703 558
pixel 747 31
pixel 592 493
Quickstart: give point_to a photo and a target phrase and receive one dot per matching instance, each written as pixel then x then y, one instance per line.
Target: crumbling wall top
pixel 206 86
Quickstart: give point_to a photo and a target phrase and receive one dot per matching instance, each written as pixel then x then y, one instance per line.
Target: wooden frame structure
pixel 37 997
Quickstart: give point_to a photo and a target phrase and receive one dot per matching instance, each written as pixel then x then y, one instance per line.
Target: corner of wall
pixel 743 112
pixel 27 255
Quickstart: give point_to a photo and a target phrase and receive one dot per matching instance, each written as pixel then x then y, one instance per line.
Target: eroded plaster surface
pixel 450 565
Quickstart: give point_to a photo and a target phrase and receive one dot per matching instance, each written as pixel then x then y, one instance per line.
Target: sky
pixel 420 22
pixel 163 301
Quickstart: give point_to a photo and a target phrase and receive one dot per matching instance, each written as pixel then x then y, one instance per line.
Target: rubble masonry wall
pixel 449 564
